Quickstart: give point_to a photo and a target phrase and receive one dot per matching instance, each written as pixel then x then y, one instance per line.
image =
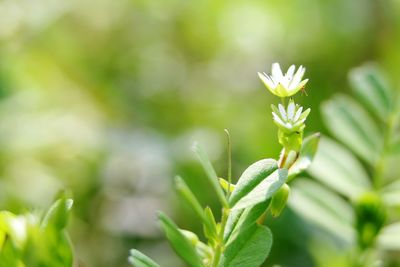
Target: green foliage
pixel 29 240
pixel 357 172
pixel 250 248
pixel 257 184
pixel 241 239
pixel 180 243
pixel 138 259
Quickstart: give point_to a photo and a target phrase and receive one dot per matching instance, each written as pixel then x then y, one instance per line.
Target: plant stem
pixel 221 246
pixel 229 163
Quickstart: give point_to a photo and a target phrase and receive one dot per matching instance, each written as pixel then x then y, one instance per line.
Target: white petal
pixel 290 110
pixel 267 81
pixel 297 77
pixel 277 119
pixel 277 72
pixel 298 113
pixel 305 114
pixel 290 72
pixel 283 112
pixel 303 82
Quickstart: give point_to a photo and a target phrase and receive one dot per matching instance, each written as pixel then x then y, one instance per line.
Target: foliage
pixel 241 238
pixel 36 240
pixel 354 191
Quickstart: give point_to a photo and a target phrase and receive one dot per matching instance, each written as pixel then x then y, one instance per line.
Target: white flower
pixel 291 119
pixel 284 85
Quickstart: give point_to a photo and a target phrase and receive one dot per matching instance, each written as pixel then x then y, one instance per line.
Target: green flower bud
pixel 278 201
pixel 291 124
pixel 370 218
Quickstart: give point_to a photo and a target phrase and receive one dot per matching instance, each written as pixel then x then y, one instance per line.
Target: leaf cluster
pixel 33 240
pixel 354 193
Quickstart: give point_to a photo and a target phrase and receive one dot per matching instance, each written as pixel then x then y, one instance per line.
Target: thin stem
pixel 221 246
pixel 283 101
pixel 229 162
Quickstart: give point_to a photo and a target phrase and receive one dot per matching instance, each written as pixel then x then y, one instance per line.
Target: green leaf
pixel 210 172
pixel 394 147
pixel 251 177
pixel 241 219
pixel 372 89
pixel 58 214
pixel 264 190
pixel 307 153
pixel 324 208
pixel 337 168
pixel 350 124
pixel 179 242
pixel 391 194
pixel 188 195
pixel 249 249
pixel 389 237
pixel 138 259
pixel 210 226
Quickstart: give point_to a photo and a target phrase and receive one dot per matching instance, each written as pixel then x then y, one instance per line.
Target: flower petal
pixel 297 77
pixel 290 110
pixel 290 72
pixel 298 113
pixel 277 72
pixel 282 112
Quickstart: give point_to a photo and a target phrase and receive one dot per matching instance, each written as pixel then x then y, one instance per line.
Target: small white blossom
pixel 284 85
pixel 291 119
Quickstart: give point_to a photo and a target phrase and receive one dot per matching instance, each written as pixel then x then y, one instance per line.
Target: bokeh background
pixel 106 97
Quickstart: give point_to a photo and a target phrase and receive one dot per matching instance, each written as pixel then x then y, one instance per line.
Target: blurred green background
pixel 106 97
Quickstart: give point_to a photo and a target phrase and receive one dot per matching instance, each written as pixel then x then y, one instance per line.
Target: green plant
pixel 36 240
pixel 241 238
pixel 355 193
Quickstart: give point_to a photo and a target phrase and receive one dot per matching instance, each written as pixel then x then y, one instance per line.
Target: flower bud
pixel 279 200
pixel 370 218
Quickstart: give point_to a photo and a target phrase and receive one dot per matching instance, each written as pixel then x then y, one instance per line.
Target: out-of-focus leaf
pixel 389 237
pixel 189 197
pixel 351 124
pixel 58 214
pixel 324 208
pixel 391 194
pixel 138 259
pixel 14 228
pixel 336 167
pixel 394 148
pixel 241 219
pixel 179 242
pixel 263 190
pixel 251 177
pixel 249 249
pixel 210 172
pixel 307 153
pixel 371 87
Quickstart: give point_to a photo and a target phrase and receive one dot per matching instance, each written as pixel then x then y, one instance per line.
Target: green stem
pixel 220 245
pixel 229 163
